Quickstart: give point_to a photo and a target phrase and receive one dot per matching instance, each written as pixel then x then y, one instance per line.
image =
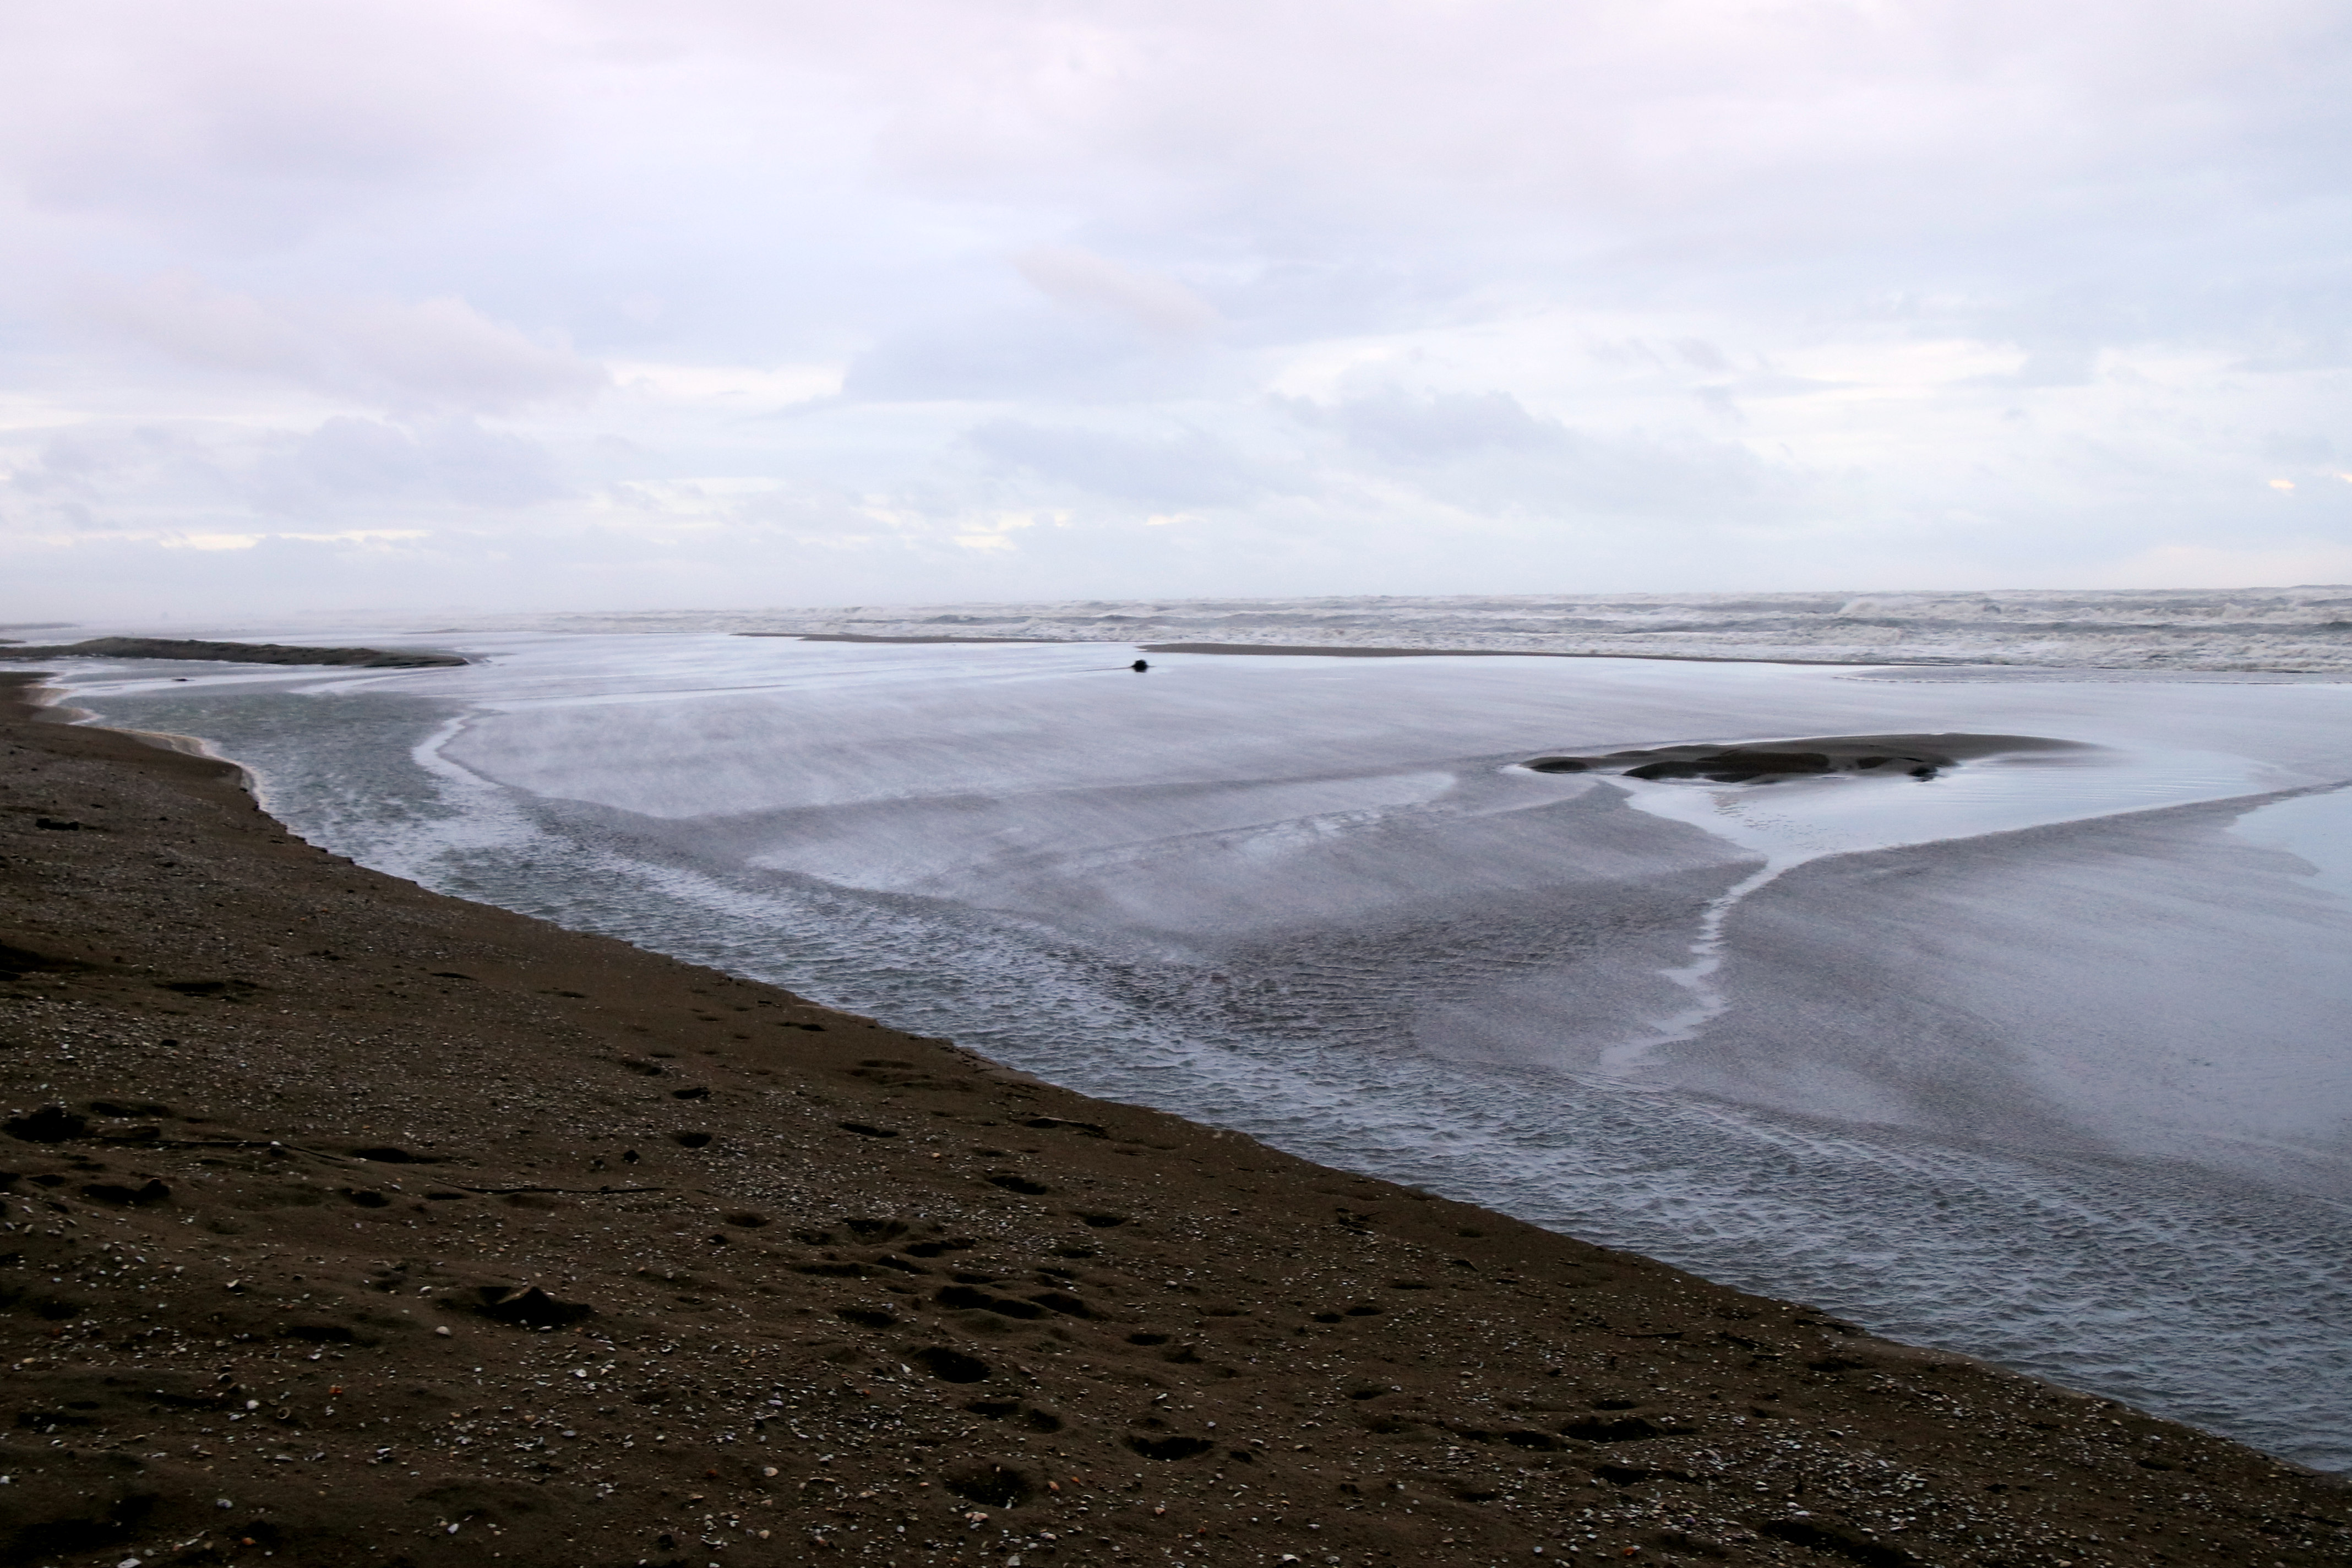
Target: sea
pixel 2042 1057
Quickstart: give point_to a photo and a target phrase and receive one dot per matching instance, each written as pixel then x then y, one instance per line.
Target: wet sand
pixel 351 1223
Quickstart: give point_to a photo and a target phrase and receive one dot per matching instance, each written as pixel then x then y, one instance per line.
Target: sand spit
pixel 862 636
pixel 235 652
pixel 1329 650
pixel 353 1224
pixel 1747 762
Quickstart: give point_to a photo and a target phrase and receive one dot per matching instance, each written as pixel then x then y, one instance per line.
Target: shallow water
pixel 2040 1060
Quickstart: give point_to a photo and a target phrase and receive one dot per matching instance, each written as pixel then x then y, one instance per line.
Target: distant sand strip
pixel 234 653
pixel 1326 650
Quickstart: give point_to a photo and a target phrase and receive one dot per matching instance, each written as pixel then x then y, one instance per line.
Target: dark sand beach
pixel 348 1223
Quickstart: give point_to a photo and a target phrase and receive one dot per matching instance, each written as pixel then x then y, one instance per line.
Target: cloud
pixel 433 355
pixel 188 483
pixel 1488 452
pixel 1191 469
pixel 255 118
pixel 1157 304
pixel 2285 563
pixel 347 462
pixel 1438 428
pixel 1394 295
pixel 1022 354
pixel 93 477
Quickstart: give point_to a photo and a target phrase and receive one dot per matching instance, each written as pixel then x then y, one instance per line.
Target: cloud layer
pixel 604 303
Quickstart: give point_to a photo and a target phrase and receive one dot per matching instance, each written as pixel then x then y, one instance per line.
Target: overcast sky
pixel 544 304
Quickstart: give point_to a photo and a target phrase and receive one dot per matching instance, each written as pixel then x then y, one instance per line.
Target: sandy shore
pixel 350 1223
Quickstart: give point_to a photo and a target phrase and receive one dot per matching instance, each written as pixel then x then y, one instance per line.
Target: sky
pixel 518 305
